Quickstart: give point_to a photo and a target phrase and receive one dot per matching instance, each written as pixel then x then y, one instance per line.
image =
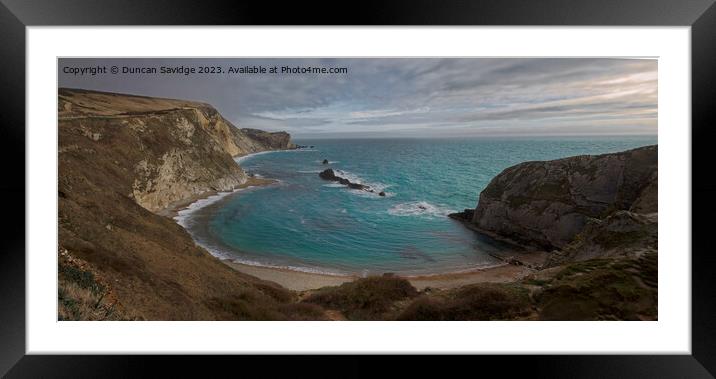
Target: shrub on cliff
pixel 483 301
pixel 81 297
pixel 364 299
pixel 602 289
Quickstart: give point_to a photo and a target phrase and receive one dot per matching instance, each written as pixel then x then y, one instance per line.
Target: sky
pixel 405 97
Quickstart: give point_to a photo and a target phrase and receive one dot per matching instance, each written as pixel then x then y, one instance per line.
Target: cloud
pixel 414 96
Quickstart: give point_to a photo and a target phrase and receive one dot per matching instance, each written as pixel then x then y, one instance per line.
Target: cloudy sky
pixel 426 97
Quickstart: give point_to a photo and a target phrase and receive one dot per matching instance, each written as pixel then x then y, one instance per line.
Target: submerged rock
pixel 325 161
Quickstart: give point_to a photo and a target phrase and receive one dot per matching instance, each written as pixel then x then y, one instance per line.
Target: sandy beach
pixel 303 281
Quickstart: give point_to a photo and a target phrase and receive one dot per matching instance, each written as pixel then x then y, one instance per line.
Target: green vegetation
pixel 581 267
pixel 84 279
pixel 364 299
pixel 81 297
pixel 251 304
pixel 598 289
pixel 614 239
pixel 601 289
pixel 535 282
pixel 246 305
pixel 476 302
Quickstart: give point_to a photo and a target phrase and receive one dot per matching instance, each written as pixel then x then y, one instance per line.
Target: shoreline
pixel 305 281
pixel 173 209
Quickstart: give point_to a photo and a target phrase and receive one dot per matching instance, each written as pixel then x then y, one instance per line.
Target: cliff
pixel 122 159
pixel 597 219
pixel 272 140
pixel 173 150
pixel 547 204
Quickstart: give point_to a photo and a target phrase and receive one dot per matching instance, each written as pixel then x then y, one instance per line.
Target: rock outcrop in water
pixel 586 206
pixel 121 159
pixel 329 174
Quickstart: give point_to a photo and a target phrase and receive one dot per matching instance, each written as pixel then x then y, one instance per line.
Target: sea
pixel 305 223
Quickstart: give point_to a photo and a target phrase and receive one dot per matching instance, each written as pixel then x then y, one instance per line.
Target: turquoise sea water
pixel 306 223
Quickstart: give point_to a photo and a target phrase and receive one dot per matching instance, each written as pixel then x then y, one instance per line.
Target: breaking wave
pixel 419 209
pixel 353 178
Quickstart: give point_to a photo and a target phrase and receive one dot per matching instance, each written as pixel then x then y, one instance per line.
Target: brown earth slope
pixel 121 158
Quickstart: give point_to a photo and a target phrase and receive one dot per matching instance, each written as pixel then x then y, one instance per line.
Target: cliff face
pixel 172 150
pixel 547 204
pixel 273 140
pixel 121 159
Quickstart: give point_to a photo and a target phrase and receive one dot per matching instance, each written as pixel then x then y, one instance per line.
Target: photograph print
pixel 331 189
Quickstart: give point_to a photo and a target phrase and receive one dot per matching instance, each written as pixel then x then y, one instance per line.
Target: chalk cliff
pixel 172 150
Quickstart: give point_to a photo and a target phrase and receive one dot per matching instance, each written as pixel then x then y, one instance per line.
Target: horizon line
pixel 378 136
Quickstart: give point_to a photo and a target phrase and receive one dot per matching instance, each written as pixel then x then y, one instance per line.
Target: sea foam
pixel 247 156
pixel 353 178
pixel 419 209
pixel 183 216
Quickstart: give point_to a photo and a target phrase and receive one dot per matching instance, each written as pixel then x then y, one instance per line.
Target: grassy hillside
pixel 122 158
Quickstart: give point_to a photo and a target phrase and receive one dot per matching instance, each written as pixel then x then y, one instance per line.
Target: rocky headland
pixel 591 220
pixel 553 205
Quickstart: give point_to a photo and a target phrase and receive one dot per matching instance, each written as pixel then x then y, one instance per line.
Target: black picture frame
pixel 16 15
